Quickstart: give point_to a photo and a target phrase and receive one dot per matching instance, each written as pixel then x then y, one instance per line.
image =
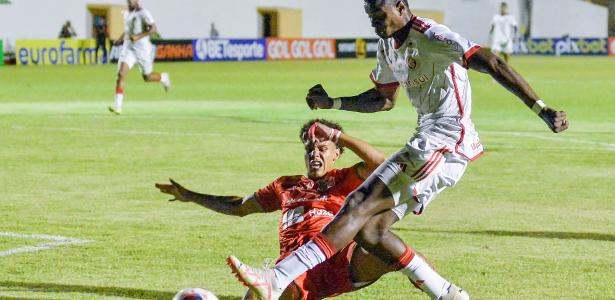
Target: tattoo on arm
pixel 228 205
pixel 367 102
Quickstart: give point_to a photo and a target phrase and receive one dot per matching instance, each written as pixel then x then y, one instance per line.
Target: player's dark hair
pixel 308 124
pixel 372 5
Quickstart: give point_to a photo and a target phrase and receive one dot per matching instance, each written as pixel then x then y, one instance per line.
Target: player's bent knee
pixel 370 235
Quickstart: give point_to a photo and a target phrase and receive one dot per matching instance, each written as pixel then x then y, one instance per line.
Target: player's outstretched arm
pixel 120 40
pixel 372 157
pixel 486 62
pixel 228 205
pixel 370 101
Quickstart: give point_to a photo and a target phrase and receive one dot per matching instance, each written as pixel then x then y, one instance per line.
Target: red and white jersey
pixel 431 67
pixel 307 205
pixel 136 22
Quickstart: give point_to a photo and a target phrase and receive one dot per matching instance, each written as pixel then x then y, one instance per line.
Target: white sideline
pixel 550 138
pixel 54 241
pixel 604 146
pixel 153 132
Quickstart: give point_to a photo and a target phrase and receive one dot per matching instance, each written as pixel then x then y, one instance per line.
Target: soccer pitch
pixel 534 218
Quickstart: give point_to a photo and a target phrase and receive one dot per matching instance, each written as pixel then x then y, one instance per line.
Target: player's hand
pixel 118 42
pixel 317 98
pixel 556 120
pixel 174 189
pixel 319 132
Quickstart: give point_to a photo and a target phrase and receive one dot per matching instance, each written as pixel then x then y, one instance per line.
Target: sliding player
pixel 137 49
pixel 430 62
pixel 308 204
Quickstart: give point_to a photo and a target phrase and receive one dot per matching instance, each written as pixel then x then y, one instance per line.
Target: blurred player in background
pixel 67 31
pixel 101 33
pixel 213 32
pixel 308 203
pixel 503 32
pixel 429 62
pixel 139 25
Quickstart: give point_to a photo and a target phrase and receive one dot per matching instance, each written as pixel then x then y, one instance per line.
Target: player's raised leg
pixel 146 63
pixel 376 237
pixel 163 78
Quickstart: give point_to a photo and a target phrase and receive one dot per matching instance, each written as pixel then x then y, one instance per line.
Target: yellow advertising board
pixel 55 52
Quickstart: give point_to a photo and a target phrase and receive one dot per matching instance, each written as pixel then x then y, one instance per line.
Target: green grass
pixel 532 219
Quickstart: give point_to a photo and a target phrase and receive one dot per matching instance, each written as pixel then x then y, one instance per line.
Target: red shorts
pixel 328 279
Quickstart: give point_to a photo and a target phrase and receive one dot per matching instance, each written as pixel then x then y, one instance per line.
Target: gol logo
pixel 279 49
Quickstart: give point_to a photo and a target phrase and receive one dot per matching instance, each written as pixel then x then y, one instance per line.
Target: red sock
pixel 119 90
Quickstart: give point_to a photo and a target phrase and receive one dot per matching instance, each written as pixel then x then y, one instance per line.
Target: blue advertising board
pixel 229 49
pixel 562 46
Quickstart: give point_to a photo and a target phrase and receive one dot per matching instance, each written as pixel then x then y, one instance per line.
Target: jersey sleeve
pixel 382 75
pixel 452 45
pixel 147 17
pixel 268 198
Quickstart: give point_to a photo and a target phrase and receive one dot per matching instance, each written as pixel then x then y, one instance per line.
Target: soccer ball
pixel 195 294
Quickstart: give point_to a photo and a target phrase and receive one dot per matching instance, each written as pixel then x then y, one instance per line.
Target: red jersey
pixel 307 205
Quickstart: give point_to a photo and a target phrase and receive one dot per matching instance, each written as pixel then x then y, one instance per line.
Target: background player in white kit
pixel 139 25
pixel 503 32
pixel 429 61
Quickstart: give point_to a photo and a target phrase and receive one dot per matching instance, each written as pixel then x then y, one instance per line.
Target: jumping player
pixel 139 25
pixel 503 32
pixel 429 61
pixel 308 203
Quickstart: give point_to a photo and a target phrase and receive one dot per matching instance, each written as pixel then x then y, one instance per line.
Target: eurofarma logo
pixel 55 52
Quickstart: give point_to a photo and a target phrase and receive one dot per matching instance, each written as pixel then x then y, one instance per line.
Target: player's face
pixel 320 157
pixel 386 19
pixel 133 4
pixel 504 10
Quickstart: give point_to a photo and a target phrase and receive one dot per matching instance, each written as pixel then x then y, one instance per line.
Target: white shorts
pixel 420 171
pixel 143 57
pixel 502 46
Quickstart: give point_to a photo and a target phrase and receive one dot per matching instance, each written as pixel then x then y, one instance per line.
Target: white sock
pixel 427 278
pixel 164 78
pixel 304 258
pixel 119 98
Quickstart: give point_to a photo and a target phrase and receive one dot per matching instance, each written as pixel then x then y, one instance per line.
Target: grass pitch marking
pixel 53 241
pixel 606 146
pixel 598 145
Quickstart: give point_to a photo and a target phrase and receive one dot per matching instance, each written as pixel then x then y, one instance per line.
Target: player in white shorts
pixel 430 63
pixel 139 25
pixel 503 32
